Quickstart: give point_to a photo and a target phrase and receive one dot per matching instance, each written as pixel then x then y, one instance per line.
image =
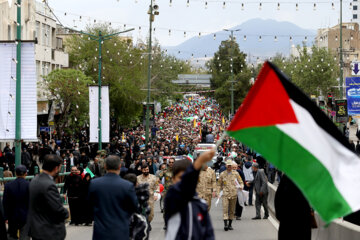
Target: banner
pixel 8 92
pixel 105 114
pixel 341 110
pixel 353 95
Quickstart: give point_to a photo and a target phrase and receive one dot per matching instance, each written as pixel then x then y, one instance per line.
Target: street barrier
pixel 338 229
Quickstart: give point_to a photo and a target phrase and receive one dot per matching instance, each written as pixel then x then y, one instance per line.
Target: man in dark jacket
pixel 46 219
pixel 114 201
pixel 72 188
pixel 16 203
pixel 186 216
pixel 261 191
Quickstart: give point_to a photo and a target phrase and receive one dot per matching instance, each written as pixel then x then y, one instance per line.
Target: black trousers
pixel 75 210
pixel 238 209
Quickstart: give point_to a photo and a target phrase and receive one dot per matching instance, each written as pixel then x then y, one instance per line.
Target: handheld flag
pixel 194 123
pixel 292 133
pixel 87 170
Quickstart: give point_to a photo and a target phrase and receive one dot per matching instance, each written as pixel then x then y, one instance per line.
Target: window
pixel 45 34
pixel 9 32
pixel 355 7
pixel 355 16
pixel 37 30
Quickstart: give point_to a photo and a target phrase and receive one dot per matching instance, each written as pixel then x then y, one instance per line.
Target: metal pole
pixel 99 83
pixel 341 54
pixel 18 88
pixel 149 78
pixel 232 73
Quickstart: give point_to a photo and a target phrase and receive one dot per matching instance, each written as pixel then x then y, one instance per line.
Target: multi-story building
pixel 330 38
pixel 355 11
pixel 37 23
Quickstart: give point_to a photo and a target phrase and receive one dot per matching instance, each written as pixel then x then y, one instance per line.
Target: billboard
pixel 353 95
pixel 341 110
pixel 8 91
pixel 105 113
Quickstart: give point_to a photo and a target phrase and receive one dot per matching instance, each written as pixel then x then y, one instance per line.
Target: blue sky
pixel 195 18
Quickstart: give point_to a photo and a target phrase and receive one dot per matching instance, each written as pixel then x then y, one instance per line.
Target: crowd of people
pixel 153 169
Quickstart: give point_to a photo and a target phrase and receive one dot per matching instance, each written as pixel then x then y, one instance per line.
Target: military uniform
pixel 226 183
pixel 167 174
pixel 206 185
pixel 153 187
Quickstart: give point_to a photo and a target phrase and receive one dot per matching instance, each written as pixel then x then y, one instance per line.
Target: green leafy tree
pixel 314 73
pixel 220 67
pixel 124 68
pixel 68 88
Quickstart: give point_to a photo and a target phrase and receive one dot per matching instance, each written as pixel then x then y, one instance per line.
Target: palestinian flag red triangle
pixel 281 123
pixel 266 104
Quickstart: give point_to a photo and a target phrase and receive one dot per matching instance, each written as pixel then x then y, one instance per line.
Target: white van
pixel 203 147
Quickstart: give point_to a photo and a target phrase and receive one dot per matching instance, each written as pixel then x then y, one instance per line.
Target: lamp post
pixel 151 12
pixel 232 68
pixel 18 87
pixel 341 54
pixel 101 38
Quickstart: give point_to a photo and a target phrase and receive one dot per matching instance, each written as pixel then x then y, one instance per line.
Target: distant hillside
pixel 252 29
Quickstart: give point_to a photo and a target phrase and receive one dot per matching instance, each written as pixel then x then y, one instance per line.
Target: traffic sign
pixel 355 68
pixel 44 129
pixel 51 123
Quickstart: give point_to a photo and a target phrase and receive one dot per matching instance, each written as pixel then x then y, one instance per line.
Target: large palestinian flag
pixel 280 122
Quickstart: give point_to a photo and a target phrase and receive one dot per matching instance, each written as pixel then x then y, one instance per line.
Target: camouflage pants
pixel 229 205
pixel 151 215
pixel 207 198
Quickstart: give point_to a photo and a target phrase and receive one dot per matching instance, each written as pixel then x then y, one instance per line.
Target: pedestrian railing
pixel 3 179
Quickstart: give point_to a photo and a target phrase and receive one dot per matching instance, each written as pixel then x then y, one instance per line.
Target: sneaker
pixel 265 217
pixel 238 218
pixel 256 218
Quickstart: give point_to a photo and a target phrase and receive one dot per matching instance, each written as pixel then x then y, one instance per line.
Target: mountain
pixel 252 29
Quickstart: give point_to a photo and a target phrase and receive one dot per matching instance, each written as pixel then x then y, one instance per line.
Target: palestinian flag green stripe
pixel 290 157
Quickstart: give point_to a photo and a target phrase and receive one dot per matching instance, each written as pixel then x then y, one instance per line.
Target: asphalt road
pixel 243 229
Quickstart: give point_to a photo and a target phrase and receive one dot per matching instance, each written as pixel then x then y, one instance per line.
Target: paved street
pixel 245 229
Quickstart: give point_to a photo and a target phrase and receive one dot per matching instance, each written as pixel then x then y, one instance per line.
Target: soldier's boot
pixel 230 227
pixel 226 227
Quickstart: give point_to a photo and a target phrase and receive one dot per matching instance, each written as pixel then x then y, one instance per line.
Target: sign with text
pixel 341 110
pixel 353 95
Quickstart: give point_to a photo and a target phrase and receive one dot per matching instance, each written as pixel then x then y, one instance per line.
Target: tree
pixel 68 88
pixel 125 69
pixel 220 67
pixel 314 73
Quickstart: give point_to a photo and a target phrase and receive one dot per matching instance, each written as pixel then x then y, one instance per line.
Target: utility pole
pixel 341 55
pixel 100 38
pixel 151 19
pixel 18 87
pixel 232 67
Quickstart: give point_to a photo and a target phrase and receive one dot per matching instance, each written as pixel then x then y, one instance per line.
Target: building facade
pixel 37 23
pixel 330 38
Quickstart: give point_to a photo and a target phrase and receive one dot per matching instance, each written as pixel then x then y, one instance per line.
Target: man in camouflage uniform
pixel 206 187
pixel 167 175
pixel 227 184
pixel 146 177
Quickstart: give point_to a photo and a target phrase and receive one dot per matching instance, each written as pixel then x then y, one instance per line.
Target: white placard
pixel 105 114
pixel 8 91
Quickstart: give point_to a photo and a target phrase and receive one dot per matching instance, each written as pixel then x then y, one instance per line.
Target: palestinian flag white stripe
pixel 342 164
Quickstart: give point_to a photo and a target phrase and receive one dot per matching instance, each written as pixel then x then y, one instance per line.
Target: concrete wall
pixel 337 230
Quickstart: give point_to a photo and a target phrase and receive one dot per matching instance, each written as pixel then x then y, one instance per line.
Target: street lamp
pixel 341 54
pixel 101 38
pixel 232 68
pixel 18 86
pixel 153 10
